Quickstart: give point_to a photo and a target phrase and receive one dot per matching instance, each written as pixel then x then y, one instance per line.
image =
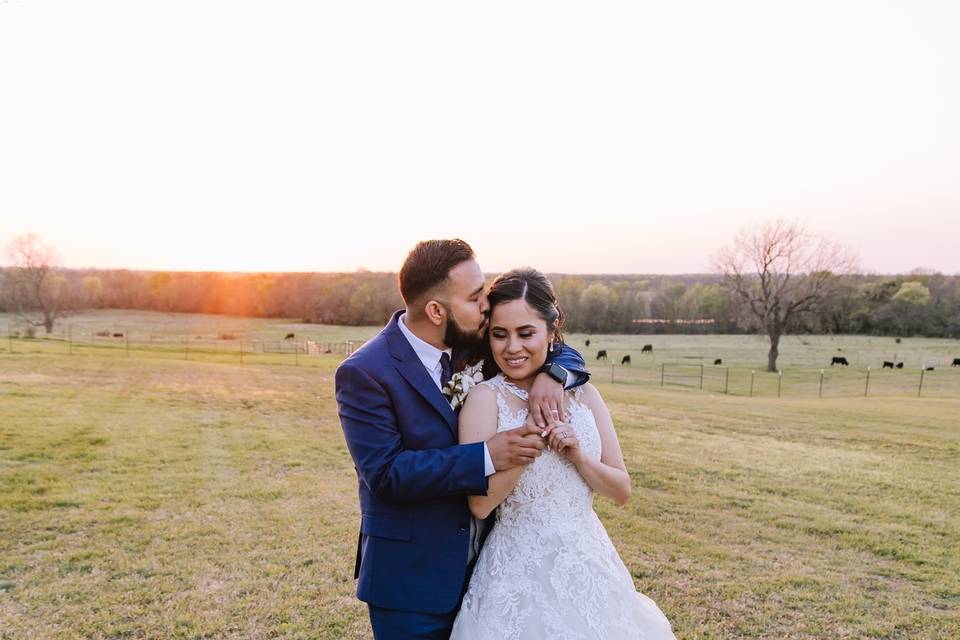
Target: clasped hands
pixel 547 425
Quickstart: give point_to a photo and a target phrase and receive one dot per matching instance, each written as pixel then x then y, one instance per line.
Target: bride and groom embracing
pixel 532 443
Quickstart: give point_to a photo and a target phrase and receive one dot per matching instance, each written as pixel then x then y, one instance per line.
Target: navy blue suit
pixel 414 477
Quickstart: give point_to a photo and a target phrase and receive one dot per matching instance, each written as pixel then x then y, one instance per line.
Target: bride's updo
pixel 531 286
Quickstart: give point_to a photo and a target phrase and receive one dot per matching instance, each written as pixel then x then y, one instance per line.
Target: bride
pixel 548 569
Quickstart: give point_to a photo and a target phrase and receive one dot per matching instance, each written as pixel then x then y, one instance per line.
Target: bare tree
pixel 780 272
pixel 34 283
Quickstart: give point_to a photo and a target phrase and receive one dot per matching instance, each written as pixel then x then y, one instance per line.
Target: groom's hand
pixel 515 447
pixel 546 401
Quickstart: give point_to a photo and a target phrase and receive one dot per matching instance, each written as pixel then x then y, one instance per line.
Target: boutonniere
pixel 461 383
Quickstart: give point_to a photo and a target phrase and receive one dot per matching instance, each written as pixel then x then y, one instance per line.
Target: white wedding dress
pixel 548 569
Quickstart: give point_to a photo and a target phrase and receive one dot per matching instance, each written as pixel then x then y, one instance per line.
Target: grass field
pixel 153 496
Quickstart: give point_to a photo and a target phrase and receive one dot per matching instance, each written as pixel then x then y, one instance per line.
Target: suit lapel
pixel 413 371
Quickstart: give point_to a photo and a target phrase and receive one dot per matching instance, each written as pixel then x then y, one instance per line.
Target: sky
pixel 577 137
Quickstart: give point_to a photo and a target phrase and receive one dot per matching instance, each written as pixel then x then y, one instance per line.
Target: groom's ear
pixel 435 312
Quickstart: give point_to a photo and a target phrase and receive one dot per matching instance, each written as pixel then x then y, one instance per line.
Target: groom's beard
pixel 455 337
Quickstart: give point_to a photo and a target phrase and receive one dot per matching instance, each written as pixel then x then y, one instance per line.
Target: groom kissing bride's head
pixel 442 288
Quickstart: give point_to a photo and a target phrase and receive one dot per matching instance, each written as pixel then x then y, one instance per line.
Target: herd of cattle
pixel 647 348
pixel 837 360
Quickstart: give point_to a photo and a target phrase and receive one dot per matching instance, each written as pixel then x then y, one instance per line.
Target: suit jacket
pixel 413 475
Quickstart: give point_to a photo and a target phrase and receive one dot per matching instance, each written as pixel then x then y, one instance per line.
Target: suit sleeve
pixel 571 360
pixel 391 472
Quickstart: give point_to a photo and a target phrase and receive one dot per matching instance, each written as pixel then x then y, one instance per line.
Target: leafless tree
pixel 34 284
pixel 780 272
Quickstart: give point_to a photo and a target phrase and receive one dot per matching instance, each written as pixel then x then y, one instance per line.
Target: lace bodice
pixel 548 570
pixel 550 492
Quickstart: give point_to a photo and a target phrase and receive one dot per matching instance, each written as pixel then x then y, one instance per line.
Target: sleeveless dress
pixel 548 569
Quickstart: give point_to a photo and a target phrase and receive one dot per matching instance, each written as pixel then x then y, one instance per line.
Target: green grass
pixel 156 497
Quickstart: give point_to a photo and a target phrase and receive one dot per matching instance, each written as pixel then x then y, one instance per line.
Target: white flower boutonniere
pixel 461 383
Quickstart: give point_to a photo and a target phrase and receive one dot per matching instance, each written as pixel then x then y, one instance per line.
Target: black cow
pixel 956 362
pixel 839 360
pixel 718 362
pixel 289 336
pixel 625 360
pixel 929 369
pixel 899 365
pixel 647 348
pixel 602 354
pixel 118 335
pixel 588 342
pixel 887 364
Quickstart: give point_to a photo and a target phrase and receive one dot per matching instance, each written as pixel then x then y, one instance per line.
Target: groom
pixel 417 536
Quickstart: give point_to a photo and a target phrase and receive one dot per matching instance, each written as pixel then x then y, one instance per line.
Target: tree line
pixel 923 304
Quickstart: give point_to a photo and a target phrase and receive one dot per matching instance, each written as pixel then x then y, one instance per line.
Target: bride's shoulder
pixel 588 394
pixel 482 392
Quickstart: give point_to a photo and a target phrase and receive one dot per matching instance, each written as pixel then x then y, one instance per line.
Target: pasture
pixel 153 495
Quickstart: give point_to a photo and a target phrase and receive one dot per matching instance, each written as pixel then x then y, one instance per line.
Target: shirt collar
pixel 429 355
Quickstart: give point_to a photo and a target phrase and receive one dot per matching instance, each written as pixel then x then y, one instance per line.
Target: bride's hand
pixel 562 438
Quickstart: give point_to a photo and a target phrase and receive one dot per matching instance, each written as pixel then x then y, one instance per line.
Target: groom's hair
pixel 428 265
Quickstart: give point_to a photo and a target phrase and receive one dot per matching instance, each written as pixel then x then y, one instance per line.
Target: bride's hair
pixel 531 286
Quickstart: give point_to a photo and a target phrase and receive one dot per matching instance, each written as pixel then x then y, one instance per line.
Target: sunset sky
pixel 591 137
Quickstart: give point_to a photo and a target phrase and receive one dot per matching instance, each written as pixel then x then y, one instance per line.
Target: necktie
pixel 446 369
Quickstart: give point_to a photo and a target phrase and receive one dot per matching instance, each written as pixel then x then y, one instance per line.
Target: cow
pixel 103 334
pixel 647 348
pixel 602 354
pixel 899 365
pixel 625 360
pixel 839 360
pixel 118 335
pixel 929 369
pixel 588 342
pixel 289 336
pixel 718 362
pixel 887 364
pixel 956 362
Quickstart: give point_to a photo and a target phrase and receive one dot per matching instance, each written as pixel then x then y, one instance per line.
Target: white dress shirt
pixel 430 357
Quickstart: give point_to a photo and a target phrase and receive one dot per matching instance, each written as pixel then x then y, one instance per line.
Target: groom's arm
pixel 392 472
pixel 547 397
pixel 571 360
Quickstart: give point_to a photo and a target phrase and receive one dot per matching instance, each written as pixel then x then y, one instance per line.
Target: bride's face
pixel 518 339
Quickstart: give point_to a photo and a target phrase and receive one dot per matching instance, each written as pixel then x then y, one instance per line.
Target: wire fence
pixel 224 347
pixel 792 382
pixel 695 375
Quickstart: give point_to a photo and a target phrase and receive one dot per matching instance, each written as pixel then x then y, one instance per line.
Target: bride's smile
pixel 518 341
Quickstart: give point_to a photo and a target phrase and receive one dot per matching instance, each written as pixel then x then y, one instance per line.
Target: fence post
pixel 611 372
pixel 820 390
pixel 296 353
pixel 866 387
pixel 662 366
pixel 701 376
pixel 241 351
pixel 920 388
pixel 779 382
pixel 10 337
pixel 752 373
pixel 126 335
pixel 726 382
pixel 70 339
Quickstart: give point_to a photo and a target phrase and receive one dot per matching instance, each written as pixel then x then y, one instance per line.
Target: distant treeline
pixel 916 304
